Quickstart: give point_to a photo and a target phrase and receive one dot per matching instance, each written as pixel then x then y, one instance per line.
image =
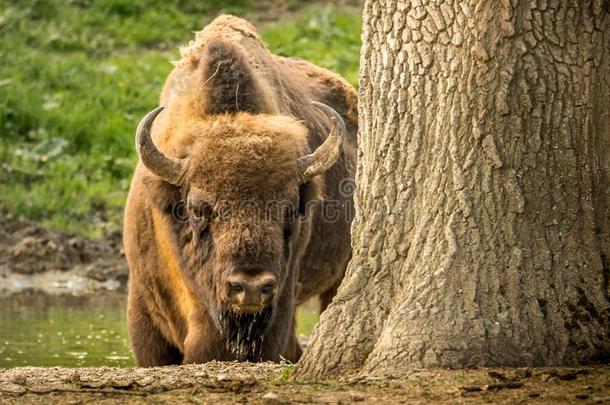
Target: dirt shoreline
pixel 268 383
pixel 37 259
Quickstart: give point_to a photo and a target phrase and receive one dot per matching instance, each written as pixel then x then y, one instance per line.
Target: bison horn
pixel 326 154
pixel 169 169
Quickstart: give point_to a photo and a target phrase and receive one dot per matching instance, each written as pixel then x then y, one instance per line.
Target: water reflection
pixel 43 330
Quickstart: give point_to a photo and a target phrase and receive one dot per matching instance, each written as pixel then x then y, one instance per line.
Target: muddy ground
pixel 269 383
pixel 36 259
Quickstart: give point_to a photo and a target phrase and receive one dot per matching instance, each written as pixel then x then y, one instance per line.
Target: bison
pixel 227 224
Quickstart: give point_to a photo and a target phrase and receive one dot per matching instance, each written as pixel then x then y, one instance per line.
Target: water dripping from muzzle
pixel 244 333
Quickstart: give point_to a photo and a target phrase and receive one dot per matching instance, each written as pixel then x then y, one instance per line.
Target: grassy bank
pixel 77 75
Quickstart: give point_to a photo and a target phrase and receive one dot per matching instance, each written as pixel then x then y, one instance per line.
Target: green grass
pixel 308 316
pixel 77 75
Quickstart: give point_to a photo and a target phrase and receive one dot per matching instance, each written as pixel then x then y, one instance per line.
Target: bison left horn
pixel 328 153
pixel 171 170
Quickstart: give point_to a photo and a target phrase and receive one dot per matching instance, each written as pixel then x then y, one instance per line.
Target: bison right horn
pixel 328 153
pixel 171 170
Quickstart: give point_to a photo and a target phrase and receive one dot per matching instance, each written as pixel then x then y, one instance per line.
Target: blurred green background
pixel 77 75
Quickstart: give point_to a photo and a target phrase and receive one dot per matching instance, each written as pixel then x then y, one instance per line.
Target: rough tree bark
pixel 482 232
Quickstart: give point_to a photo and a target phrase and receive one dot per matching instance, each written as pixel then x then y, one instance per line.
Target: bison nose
pixel 251 293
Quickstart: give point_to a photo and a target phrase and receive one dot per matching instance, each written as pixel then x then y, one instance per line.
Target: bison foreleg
pixel 149 346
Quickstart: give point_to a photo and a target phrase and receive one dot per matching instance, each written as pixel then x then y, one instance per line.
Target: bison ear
pixel 230 83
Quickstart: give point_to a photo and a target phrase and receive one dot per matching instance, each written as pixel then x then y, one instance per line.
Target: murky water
pixel 41 330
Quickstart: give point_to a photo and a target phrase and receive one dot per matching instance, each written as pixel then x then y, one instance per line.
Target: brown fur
pixel 242 116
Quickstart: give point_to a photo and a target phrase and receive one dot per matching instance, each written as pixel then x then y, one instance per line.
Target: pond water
pixel 43 330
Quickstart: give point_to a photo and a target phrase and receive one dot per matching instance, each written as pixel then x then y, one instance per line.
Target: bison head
pixel 244 181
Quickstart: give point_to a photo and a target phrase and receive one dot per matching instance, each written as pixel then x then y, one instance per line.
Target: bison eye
pixel 198 215
pixel 199 210
pixel 201 215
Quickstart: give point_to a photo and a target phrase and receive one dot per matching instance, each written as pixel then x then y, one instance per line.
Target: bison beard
pixel 245 333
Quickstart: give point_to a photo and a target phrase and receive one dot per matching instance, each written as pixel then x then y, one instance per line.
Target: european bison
pixel 236 213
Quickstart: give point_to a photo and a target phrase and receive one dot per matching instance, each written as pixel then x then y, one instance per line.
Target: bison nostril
pixel 267 288
pixel 235 288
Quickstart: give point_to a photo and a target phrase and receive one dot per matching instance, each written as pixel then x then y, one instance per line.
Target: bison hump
pixel 231 81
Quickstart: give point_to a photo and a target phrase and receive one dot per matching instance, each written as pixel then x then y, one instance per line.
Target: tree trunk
pixel 482 230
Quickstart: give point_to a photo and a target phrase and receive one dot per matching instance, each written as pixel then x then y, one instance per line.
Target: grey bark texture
pixel 482 230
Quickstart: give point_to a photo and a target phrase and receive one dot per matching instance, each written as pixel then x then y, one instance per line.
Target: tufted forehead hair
pixel 245 156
